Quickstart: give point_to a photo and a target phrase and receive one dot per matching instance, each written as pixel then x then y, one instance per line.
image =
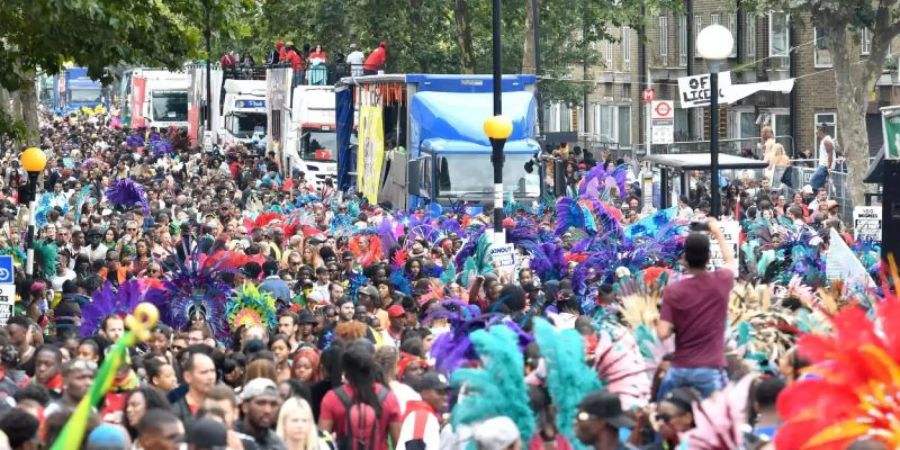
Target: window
pixel 612 124
pixel 663 36
pixel 701 121
pixel 682 41
pixel 779 35
pixel 732 27
pixel 608 54
pixel 682 128
pixel 865 41
pixel 829 120
pixel 750 34
pixel 779 120
pixel 698 25
pixel 714 19
pixel 626 48
pixel 822 53
pixel 743 125
pixel 559 117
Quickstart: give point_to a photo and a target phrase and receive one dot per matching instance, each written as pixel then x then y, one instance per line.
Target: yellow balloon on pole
pixel 33 159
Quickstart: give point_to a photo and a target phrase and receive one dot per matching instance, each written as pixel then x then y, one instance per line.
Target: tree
pixel 842 21
pixel 47 34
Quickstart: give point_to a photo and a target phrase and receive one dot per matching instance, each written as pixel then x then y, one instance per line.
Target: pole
pixel 497 144
pixel 536 19
pixel 208 68
pixel 29 237
pixel 714 140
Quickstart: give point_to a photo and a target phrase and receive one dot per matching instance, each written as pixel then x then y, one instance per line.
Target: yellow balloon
pixel 498 127
pixel 142 321
pixel 33 159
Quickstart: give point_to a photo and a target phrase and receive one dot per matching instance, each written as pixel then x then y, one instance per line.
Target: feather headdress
pixel 109 300
pixel 249 307
pixel 128 193
pixel 569 379
pixel 720 420
pixel 857 377
pixel 618 362
pixel 497 388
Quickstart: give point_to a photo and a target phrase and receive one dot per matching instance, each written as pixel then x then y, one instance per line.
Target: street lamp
pixel 33 160
pixel 714 44
pixel 498 128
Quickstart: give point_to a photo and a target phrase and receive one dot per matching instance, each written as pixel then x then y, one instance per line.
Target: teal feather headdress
pixel 569 379
pixel 480 262
pixel 498 387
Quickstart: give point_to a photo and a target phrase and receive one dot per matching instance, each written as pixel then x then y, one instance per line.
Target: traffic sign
pixel 648 94
pixel 663 109
pixel 7 302
pixel 7 272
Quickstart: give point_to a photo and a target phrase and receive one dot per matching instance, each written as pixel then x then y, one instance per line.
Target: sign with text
pixel 7 302
pixel 694 91
pixel 7 274
pixel 867 223
pixel 731 231
pixel 504 260
pixel 662 122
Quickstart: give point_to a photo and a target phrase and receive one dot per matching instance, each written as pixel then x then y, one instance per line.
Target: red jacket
pixel 294 58
pixel 376 59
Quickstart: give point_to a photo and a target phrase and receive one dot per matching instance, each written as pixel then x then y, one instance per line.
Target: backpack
pixel 360 417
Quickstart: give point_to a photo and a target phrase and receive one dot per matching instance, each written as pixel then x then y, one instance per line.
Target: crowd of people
pixel 293 316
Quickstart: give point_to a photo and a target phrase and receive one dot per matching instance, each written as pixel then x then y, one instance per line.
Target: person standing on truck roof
pixel 355 59
pixel 273 57
pixel 376 60
pixel 293 57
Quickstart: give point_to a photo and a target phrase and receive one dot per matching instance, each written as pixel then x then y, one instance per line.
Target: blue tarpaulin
pixel 344 122
pixel 455 116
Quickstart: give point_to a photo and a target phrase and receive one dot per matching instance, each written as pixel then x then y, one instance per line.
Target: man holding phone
pixel 695 311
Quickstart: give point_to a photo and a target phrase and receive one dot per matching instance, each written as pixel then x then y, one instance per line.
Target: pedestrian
pixel 356 58
pixel 260 401
pixel 376 60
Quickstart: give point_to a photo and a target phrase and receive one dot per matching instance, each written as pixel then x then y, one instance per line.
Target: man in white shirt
pixel 421 428
pixel 825 157
pixel 356 59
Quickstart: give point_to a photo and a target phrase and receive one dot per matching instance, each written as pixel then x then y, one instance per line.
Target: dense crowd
pixel 294 316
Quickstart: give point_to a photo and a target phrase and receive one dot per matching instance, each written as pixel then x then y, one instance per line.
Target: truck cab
pixel 313 132
pixel 243 111
pixel 159 98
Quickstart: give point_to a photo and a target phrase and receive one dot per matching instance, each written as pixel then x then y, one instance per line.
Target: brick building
pixel 768 47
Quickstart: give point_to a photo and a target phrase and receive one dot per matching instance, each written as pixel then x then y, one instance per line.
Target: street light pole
pixel 497 142
pixel 715 191
pixel 33 160
pixel 714 44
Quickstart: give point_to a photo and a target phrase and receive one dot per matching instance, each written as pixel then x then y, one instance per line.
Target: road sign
pixel 663 109
pixel 662 118
pixel 648 94
pixel 7 273
pixel 7 302
pixel 867 222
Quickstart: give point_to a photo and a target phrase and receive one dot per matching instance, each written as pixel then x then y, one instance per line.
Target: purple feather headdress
pixel 109 300
pixel 454 349
pixel 134 141
pixel 162 147
pixel 128 193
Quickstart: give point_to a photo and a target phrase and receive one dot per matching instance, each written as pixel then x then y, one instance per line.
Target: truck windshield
pixel 318 145
pixel 458 174
pixel 85 95
pixel 245 125
pixel 170 106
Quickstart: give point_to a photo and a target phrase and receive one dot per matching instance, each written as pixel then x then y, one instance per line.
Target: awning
pixel 701 161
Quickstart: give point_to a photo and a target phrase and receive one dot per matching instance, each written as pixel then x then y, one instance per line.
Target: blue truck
pixel 75 90
pixel 420 140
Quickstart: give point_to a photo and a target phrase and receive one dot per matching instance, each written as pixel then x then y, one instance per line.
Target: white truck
pixel 301 127
pixel 243 112
pixel 157 98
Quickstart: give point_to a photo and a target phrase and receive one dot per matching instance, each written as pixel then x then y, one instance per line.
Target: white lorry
pixel 157 98
pixel 243 112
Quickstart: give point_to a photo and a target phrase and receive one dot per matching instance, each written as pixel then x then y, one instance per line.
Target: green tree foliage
pixel 98 34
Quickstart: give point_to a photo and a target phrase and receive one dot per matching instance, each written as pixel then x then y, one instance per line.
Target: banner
pixel 693 91
pixel 138 87
pixel 842 264
pixel 370 154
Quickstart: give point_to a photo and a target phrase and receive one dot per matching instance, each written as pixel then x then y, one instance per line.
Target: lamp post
pixel 498 128
pixel 33 160
pixel 714 44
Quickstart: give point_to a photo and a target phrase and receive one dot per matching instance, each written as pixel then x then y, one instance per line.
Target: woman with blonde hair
pixel 779 158
pixel 297 428
pixel 767 140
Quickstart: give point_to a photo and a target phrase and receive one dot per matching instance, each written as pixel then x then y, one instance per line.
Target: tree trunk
pixel 464 36
pixel 853 83
pixel 28 96
pixel 529 65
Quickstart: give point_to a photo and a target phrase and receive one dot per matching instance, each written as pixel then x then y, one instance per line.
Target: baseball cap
pixel 432 381
pixel 207 434
pixel 347 256
pixel 606 406
pixel 371 291
pixel 107 436
pixel 396 311
pixel 258 387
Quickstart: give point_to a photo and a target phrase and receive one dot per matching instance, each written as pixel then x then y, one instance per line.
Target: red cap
pixel 395 311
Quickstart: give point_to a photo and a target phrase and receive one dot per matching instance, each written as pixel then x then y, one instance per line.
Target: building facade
pixel 768 47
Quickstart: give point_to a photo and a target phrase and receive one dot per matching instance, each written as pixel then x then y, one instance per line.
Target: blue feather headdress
pixel 127 193
pixel 497 388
